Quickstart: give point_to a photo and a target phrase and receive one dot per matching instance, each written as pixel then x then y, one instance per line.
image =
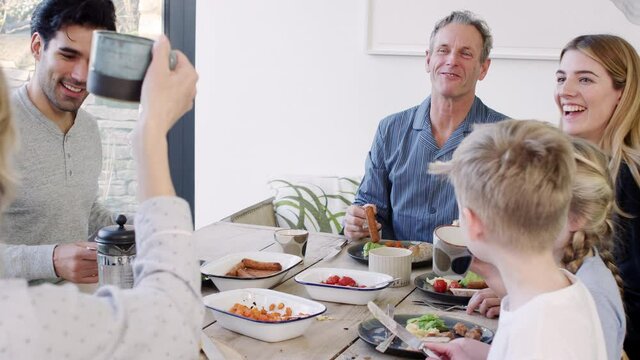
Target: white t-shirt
pixel 563 324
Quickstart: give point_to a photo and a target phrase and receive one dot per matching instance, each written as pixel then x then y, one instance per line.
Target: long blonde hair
pixel 621 139
pixel 7 143
pixel 593 201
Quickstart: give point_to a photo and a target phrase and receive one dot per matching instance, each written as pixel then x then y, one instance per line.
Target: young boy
pixel 513 185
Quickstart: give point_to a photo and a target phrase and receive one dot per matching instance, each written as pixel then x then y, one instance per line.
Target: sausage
pixel 476 284
pixel 475 333
pixel 371 223
pixel 460 329
pixel 243 273
pixel 234 269
pixel 261 265
pixel 260 273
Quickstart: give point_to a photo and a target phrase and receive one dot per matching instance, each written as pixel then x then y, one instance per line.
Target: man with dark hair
pixel 410 202
pixel 60 156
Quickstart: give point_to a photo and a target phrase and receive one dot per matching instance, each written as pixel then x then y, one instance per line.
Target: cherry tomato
pixel 440 286
pixel 454 284
pixel 332 280
pixel 347 281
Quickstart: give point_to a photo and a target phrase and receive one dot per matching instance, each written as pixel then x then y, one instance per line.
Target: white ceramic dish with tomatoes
pixel 222 302
pixel 319 283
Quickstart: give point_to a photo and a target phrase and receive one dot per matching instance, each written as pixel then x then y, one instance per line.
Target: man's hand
pixel 487 302
pixel 76 262
pixel 460 349
pixel 354 223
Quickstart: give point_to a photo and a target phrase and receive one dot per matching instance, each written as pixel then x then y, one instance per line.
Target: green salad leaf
pixel 429 321
pixel 370 246
pixel 470 277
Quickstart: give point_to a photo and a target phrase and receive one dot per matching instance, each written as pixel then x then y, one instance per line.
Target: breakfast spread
pixel 431 328
pixel 249 268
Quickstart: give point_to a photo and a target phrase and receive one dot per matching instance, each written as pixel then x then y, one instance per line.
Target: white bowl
pixel 216 270
pixel 312 281
pixel 222 302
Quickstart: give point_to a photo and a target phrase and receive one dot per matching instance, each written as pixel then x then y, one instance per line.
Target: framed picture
pixel 535 30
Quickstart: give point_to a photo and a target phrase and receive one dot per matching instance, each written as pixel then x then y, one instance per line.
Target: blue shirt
pixel 411 202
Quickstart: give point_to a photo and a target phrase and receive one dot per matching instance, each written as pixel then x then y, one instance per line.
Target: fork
pixel 335 249
pixel 382 347
pixel 440 307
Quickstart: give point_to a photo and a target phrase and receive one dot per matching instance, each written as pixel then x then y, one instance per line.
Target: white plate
pixel 312 280
pixel 216 270
pixel 222 302
pixel 463 291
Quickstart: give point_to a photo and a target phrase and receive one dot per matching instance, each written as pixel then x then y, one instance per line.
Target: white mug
pixel 392 261
pixel 451 258
pixel 293 241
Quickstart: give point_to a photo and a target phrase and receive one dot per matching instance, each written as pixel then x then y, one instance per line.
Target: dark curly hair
pixel 52 15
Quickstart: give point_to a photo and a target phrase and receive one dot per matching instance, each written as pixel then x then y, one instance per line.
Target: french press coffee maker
pixel 116 252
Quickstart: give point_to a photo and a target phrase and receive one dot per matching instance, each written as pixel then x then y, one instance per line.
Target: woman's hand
pixel 487 303
pixel 460 349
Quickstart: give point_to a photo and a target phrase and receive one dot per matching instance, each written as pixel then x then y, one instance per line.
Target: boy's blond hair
pixel 516 176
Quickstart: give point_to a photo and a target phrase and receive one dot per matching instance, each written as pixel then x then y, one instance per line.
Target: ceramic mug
pixel 451 258
pixel 392 261
pixel 118 64
pixel 293 241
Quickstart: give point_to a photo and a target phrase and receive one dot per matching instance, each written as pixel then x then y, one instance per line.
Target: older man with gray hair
pixel 410 202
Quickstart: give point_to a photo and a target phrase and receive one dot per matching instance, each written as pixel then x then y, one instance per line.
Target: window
pixel 115 119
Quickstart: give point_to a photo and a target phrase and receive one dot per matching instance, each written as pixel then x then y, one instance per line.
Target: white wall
pixel 286 87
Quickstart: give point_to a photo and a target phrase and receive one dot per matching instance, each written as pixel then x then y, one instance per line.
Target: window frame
pixel 180 27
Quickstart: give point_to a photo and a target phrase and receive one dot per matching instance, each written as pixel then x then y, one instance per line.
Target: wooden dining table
pixel 335 337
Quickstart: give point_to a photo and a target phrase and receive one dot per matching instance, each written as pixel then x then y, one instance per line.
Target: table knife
pixel 399 330
pixel 335 250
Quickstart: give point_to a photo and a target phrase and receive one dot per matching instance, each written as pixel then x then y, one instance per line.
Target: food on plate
pixel 421 252
pixel 473 281
pixel 261 265
pixel 431 328
pixel 460 329
pixel 440 285
pixel 370 211
pixel 475 333
pixel 470 281
pixel 249 268
pixel 370 246
pixel 341 281
pixel 262 314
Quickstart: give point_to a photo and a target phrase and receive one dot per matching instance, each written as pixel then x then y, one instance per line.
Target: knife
pixel 399 330
pixel 335 250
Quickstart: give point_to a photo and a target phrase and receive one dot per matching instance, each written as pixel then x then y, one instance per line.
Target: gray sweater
pixel 58 186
